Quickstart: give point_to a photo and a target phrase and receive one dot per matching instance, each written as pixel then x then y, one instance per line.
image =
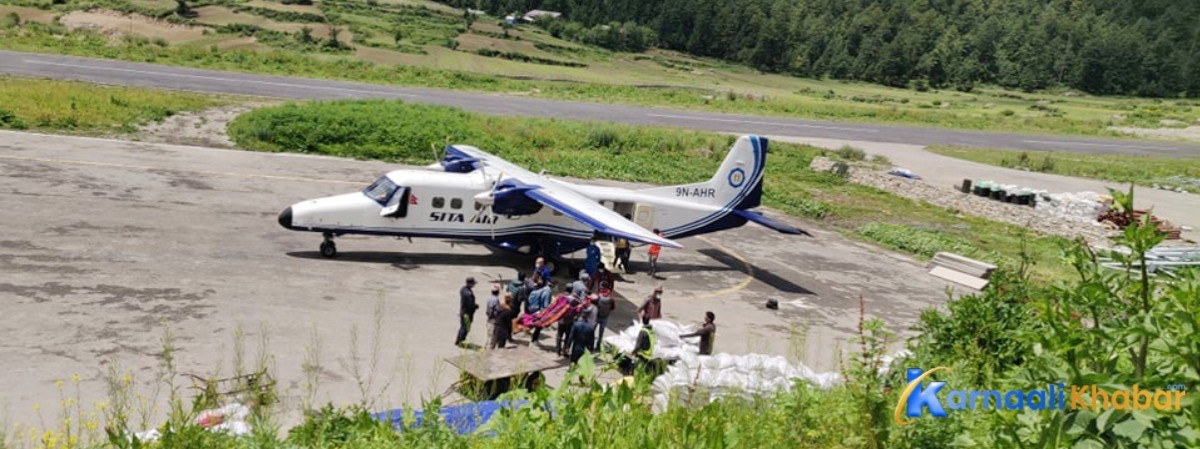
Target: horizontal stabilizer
pixel 770 223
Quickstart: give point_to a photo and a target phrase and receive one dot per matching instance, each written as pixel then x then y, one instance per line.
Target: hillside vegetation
pixel 421 43
pixel 1127 47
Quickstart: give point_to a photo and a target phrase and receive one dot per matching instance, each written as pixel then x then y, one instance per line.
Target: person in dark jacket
pixel 707 333
pixel 582 339
pixel 605 304
pixel 562 340
pixel 502 322
pixel 466 310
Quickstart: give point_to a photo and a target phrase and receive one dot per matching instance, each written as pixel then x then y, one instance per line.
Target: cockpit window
pixel 381 191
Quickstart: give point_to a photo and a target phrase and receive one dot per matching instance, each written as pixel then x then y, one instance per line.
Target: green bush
pixel 850 153
pixel 10 120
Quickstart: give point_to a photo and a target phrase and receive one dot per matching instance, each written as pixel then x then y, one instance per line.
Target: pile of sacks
pixel 697 380
pixel 230 419
pixel 667 345
pixel 1085 207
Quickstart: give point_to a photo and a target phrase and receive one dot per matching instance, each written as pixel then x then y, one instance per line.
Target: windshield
pixel 381 191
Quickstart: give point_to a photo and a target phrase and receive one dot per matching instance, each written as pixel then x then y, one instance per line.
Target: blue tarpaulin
pixel 464 418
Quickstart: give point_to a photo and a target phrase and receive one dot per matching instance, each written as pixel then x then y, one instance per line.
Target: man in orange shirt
pixel 654 250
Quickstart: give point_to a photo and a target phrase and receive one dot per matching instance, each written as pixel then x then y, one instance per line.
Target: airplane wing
pixel 563 199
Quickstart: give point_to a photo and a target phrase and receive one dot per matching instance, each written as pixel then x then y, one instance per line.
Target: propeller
pixel 488 199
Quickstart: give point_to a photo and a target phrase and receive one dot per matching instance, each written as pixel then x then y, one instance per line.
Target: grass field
pixel 434 38
pixel 410 133
pixel 1181 173
pixel 88 108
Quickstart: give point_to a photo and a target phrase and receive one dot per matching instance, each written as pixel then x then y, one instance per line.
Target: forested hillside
pixel 1132 47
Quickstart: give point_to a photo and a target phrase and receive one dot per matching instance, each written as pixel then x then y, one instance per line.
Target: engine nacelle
pixel 456 161
pixel 510 199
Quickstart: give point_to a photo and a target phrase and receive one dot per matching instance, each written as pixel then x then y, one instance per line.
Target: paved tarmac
pixel 109 242
pixel 168 77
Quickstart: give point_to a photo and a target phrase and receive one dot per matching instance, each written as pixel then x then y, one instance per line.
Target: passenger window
pixel 556 213
pixel 439 202
pixel 456 203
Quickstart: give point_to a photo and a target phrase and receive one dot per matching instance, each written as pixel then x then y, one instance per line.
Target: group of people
pixel 588 303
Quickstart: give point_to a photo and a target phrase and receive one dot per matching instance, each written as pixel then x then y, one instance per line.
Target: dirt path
pixel 201 128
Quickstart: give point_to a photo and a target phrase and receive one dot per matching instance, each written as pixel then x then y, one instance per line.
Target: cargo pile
pixel 1084 207
pixel 667 346
pixel 698 380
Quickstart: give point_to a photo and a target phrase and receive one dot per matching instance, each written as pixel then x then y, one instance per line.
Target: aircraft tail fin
pixel 737 184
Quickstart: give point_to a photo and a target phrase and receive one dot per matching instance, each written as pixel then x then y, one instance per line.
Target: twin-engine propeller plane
pixel 473 195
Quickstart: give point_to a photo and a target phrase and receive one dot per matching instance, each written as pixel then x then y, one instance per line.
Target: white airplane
pixel 473 195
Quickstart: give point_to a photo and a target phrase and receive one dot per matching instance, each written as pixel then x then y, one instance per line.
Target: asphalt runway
pixel 108 243
pixel 168 77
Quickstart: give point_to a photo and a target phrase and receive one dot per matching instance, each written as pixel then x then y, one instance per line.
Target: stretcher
pixel 545 317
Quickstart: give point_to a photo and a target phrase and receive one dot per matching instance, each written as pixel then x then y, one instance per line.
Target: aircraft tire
pixel 328 249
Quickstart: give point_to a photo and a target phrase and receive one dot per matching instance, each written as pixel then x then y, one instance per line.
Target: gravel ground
pixel 969 204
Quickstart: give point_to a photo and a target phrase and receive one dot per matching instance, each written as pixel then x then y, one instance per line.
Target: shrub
pixel 1007 112
pixel 10 20
pixel 850 153
pixel 10 120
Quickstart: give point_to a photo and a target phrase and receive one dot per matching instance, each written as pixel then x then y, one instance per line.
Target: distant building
pixel 476 12
pixel 537 14
pixel 511 20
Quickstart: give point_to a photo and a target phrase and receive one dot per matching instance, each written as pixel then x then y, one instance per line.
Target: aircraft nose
pixel 285 218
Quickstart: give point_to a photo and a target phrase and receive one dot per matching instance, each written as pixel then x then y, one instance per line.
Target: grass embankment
pixel 1173 172
pixel 410 133
pixel 655 78
pixel 90 109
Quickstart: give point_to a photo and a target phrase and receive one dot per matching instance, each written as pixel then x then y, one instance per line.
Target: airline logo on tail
pixel 737 177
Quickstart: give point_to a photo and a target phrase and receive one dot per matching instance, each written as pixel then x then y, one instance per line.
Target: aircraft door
pixel 644 216
pixel 397 207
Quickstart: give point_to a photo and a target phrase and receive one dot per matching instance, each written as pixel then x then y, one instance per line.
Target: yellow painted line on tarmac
pixel 745 282
pixel 199 172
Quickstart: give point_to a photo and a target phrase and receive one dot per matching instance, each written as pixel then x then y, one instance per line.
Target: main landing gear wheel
pixel 328 248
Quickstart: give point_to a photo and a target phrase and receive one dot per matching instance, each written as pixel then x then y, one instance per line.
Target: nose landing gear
pixel 328 248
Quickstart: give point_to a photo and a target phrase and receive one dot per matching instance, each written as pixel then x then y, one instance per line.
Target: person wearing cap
pixel 605 304
pixel 707 333
pixel 652 307
pixel 466 310
pixel 493 314
pixel 579 288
